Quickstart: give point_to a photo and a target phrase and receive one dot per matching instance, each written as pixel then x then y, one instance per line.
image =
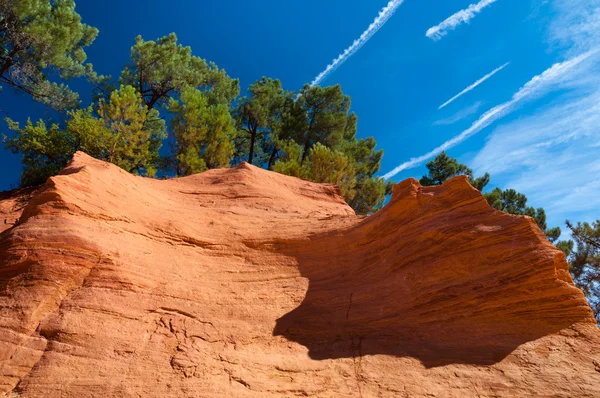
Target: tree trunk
pixel 9 62
pixel 252 141
pixel 306 148
pixel 152 102
pixel 141 83
pixel 307 143
pixel 272 158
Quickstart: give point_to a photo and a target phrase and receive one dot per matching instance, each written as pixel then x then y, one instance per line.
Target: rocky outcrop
pixel 244 282
pixel 12 204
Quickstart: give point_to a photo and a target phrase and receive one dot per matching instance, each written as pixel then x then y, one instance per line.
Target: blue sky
pixel 534 126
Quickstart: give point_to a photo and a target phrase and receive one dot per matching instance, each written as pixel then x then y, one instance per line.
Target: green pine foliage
pixel 45 150
pixel 39 38
pixel 583 255
pixel 203 133
pixel 317 141
pixel 162 69
pixel 124 132
pixel 321 165
pixel 324 118
pixel 371 191
pixel 443 167
pixel 259 119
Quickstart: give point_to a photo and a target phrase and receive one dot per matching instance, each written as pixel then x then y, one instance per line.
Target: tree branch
pixel 9 60
pixel 578 234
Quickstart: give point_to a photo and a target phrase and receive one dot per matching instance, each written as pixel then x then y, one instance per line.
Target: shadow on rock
pixel 437 275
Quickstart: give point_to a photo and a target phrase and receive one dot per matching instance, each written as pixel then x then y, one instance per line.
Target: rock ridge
pixel 243 282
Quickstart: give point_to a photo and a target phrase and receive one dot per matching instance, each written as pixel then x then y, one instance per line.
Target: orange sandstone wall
pixel 244 282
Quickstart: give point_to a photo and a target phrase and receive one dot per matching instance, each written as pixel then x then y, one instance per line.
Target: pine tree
pixel 322 165
pixel 126 132
pixel 259 118
pixel 44 150
pixel 443 167
pixel 163 69
pixel 318 142
pixel 324 117
pixel 122 131
pixel 583 254
pixel 37 38
pixel 202 133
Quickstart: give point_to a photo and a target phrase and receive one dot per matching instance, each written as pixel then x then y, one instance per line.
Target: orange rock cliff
pixel 246 283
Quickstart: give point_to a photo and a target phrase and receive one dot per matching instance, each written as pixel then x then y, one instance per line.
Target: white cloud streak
pixel 384 15
pixel 474 85
pixel 460 115
pixel 577 27
pixel 463 16
pixel 526 141
pixel 552 154
pixel 536 86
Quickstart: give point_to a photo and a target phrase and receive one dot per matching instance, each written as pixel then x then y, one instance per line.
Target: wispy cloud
pixel 535 87
pixel 474 85
pixel 384 15
pixel 523 141
pixel 577 27
pixel 460 115
pixel 463 16
pixel 551 155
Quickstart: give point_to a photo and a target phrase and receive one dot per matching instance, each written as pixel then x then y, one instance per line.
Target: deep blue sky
pixel 397 80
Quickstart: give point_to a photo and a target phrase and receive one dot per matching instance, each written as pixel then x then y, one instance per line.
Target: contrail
pixel 463 16
pixel 473 86
pixel 460 115
pixel 384 15
pixel 533 87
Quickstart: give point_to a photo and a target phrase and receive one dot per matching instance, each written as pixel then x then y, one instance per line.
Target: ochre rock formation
pixel 11 206
pixel 243 282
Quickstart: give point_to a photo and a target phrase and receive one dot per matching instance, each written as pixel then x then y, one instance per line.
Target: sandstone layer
pixel 243 282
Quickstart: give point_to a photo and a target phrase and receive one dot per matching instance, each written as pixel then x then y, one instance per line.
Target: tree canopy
pixel 322 165
pixel 38 37
pixel 45 150
pixel 203 133
pixel 324 117
pixel 259 118
pixel 443 167
pixel 122 131
pixel 317 141
pixel 163 68
pixel 583 254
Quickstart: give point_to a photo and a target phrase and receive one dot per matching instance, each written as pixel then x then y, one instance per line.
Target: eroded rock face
pixel 12 204
pixel 244 282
